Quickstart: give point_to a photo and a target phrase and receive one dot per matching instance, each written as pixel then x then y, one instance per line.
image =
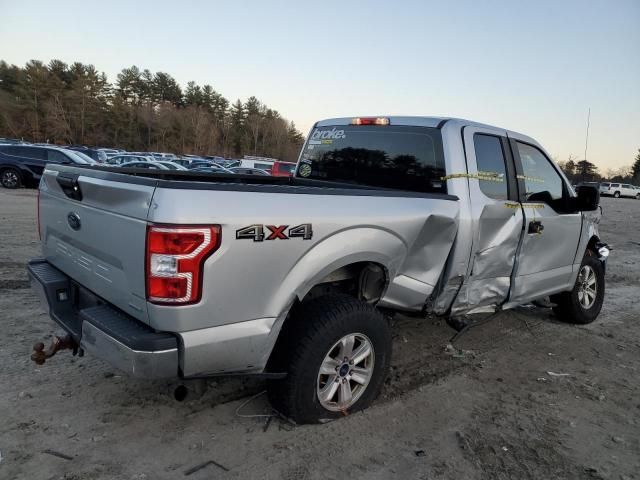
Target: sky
pixel 535 67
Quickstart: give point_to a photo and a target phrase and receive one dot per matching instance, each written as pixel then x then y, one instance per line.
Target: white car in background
pixel 265 165
pixel 618 190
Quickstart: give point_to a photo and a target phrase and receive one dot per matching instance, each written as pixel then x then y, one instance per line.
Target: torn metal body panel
pixel 492 261
pixel 423 264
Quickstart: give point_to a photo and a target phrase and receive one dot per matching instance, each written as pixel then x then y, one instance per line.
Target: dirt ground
pixel 494 407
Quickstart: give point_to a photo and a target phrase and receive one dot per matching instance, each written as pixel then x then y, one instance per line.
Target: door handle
pixel 535 227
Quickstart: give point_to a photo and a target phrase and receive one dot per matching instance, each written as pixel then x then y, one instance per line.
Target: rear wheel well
pixel 365 281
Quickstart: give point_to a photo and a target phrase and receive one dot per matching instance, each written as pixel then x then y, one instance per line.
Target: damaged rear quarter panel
pixel 346 229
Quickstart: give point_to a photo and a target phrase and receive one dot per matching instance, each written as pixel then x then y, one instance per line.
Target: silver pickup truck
pixel 169 274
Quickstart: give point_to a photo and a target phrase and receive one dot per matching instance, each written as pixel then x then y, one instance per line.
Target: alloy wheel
pixel 9 179
pixel 587 287
pixel 345 372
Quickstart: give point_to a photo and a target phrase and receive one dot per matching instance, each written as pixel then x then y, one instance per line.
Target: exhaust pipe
pixel 180 393
pixel 189 388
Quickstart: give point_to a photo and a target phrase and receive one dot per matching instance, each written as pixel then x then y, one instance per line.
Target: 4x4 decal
pixel 274 232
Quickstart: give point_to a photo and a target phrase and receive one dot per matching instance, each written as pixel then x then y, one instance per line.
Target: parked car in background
pixel 189 161
pixel 85 157
pixel 229 162
pixel 211 169
pixel 144 164
pixel 283 169
pixel 249 171
pixel 198 163
pixel 171 165
pixel 259 164
pixel 618 190
pixel 215 158
pixel 22 165
pixel 124 158
pixel 164 156
pixel 98 155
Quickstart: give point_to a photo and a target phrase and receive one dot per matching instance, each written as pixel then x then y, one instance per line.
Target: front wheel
pixel 584 302
pixel 616 195
pixel 336 354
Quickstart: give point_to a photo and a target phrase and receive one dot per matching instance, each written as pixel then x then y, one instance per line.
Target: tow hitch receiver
pixel 39 354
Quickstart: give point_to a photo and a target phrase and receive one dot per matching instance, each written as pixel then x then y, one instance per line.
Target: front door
pixel 551 234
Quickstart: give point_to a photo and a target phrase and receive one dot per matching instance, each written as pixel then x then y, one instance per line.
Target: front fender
pixel 589 232
pixel 345 247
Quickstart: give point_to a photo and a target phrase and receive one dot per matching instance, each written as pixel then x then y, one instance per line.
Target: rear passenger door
pixel 496 216
pixel 34 158
pixel 552 233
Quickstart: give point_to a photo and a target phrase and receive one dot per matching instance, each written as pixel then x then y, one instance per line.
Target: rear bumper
pixel 102 330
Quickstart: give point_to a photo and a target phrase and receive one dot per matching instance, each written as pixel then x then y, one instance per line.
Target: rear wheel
pixel 584 302
pixel 336 354
pixel 616 195
pixel 638 196
pixel 10 178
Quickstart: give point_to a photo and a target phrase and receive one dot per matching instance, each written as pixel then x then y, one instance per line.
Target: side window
pixel 491 166
pixel 56 156
pixel 13 150
pixel 35 153
pixel 542 182
pixel 26 152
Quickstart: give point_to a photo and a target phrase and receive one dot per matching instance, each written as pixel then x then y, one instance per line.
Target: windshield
pixel 75 157
pixel 398 157
pixel 85 157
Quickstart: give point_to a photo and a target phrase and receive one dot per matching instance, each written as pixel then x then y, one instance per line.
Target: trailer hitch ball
pixel 40 354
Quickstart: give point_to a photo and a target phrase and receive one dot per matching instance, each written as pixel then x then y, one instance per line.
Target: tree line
pixel 585 171
pixel 141 111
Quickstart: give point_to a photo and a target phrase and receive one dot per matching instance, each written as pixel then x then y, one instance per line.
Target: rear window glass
pixel 397 157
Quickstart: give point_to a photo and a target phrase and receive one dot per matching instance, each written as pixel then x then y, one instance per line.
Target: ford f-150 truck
pixel 190 275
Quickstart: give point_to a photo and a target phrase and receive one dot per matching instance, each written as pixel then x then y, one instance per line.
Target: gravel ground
pixel 488 409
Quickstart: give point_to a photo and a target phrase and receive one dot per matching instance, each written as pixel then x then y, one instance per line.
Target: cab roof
pixel 433 122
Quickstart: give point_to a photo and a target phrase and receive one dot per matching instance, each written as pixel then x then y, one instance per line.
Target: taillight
pixel 175 258
pixel 370 121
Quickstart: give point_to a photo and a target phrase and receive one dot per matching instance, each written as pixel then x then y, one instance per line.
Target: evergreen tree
pixel 75 103
pixel 635 168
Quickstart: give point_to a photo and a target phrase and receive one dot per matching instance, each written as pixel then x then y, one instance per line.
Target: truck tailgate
pixel 94 230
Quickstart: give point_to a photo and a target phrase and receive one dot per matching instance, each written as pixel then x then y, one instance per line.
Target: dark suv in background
pixel 98 155
pixel 22 165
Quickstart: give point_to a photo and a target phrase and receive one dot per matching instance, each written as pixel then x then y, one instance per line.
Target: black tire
pixel 616 195
pixel 568 306
pixel 306 340
pixel 638 196
pixel 10 178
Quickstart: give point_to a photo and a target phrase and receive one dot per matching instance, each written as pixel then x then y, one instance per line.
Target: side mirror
pixel 588 198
